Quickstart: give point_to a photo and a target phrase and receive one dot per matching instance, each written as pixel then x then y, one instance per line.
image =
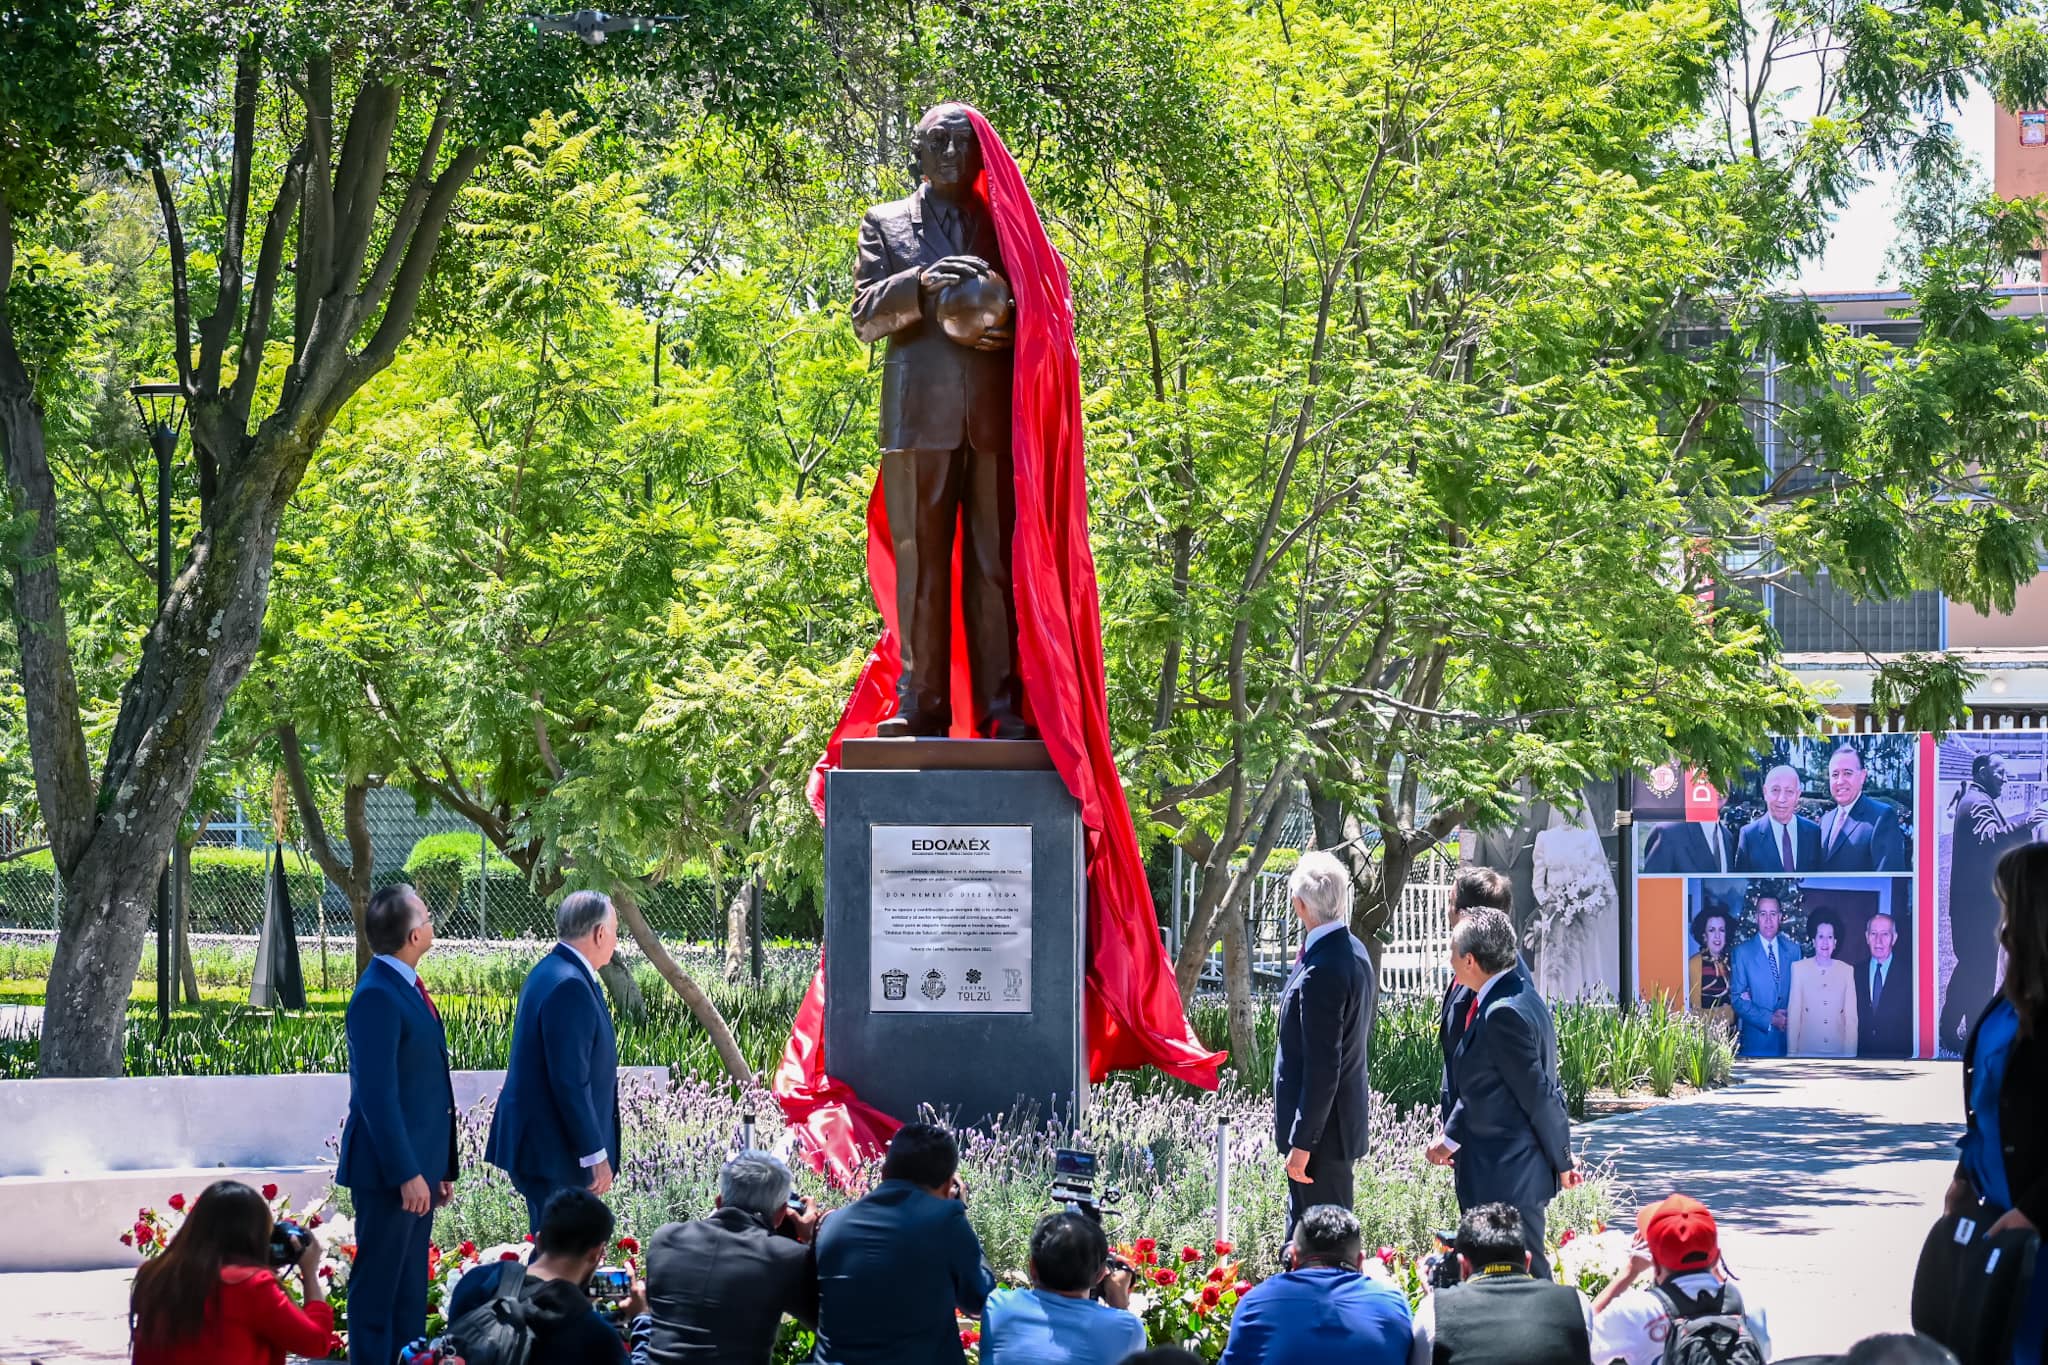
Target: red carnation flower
pixel 1212 1295
pixel 1189 1255
pixel 270 1191
pixel 127 1239
pixel 630 1245
pixel 969 1336
pixel 143 1234
pixel 1163 1278
pixel 177 1203
pixel 1224 1248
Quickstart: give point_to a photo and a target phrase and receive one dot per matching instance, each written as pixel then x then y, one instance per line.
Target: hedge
pixel 228 890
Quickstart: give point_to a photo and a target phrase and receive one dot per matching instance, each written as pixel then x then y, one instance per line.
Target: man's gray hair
pixel 579 913
pixel 1322 883
pixel 1487 936
pixel 758 1182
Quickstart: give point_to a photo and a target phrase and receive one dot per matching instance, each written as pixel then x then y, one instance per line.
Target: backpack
pixel 497 1332
pixel 1708 1330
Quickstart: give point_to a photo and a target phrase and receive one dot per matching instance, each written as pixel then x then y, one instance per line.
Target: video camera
pixel 1441 1268
pixel 1073 1184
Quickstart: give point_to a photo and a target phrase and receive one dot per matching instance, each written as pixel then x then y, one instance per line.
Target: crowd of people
pixel 885 1280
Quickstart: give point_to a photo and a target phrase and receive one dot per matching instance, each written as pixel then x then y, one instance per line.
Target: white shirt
pixel 1877 964
pixel 1422 1347
pixel 1786 836
pixel 600 1154
pixel 402 967
pixel 1321 932
pixel 1771 954
pixel 1633 1328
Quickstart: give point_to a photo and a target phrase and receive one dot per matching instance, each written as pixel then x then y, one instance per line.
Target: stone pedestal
pixel 955 929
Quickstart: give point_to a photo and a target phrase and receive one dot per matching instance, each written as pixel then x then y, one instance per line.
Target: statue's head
pixel 948 153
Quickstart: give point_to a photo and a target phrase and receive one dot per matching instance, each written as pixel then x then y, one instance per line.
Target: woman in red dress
pixel 212 1298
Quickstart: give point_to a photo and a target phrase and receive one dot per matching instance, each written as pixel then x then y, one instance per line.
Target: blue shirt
pixel 1036 1327
pixel 1318 1316
pixel 1983 1156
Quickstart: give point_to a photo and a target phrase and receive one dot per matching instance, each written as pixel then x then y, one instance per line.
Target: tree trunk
pixel 107 904
pixel 693 995
pixel 358 893
pixel 624 990
pixel 736 935
pixel 1237 992
pixel 181 902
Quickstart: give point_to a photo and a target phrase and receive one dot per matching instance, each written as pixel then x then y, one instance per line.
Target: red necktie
pixel 1472 1012
pixel 426 999
pixel 1785 850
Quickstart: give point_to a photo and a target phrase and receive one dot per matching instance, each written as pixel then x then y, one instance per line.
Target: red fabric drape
pixel 1133 1008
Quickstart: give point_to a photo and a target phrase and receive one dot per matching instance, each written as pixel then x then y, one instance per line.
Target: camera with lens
pixel 1073 1184
pixel 288 1242
pixel 1441 1268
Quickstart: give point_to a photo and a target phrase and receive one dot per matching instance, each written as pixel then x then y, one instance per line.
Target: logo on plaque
pixel 934 987
pixel 895 985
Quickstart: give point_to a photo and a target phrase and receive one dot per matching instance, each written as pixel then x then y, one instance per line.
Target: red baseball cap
pixel 1680 1234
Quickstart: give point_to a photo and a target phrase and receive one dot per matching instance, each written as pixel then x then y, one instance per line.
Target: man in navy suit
pixel 1861 833
pixel 1760 982
pixel 557 1121
pixel 1781 839
pixel 894 1268
pixel 1687 847
pixel 1320 1089
pixel 1884 994
pixel 1506 1138
pixel 398 1145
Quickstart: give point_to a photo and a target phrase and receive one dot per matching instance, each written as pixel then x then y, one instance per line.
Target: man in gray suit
pixel 927 265
pixel 1761 982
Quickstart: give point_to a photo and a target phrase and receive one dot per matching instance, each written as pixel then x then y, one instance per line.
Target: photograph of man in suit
pixel 1884 995
pixel 945 433
pixel 1982 836
pixel 1321 1092
pixel 1781 839
pixel 1506 1139
pixel 1762 984
pixel 398 1157
pixel 557 1121
pixel 1687 848
pixel 1859 833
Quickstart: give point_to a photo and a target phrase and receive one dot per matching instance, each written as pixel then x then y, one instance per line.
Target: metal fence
pixel 473 892
pixel 1415 946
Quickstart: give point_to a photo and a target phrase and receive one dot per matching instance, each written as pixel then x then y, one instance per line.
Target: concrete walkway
pixel 1824 1178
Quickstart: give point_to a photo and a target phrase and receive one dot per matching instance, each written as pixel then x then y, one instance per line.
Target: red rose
pixel 270 1191
pixel 313 1221
pixel 1565 1240
pixel 1224 1248
pixel 528 1237
pixel 508 1255
pixel 1147 1244
pixel 1163 1278
pixel 177 1203
pixel 630 1245
pixel 142 1213
pixel 143 1234
pixel 1386 1255
pixel 1216 1275
pixel 466 1250
pixel 1188 1255
pixel 127 1239
pixel 1212 1295
pixel 969 1336
pixel 326 1272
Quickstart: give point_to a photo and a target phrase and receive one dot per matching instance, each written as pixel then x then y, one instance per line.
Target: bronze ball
pixel 969 310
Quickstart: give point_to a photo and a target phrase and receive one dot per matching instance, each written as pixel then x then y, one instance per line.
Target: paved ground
pixel 1824 1174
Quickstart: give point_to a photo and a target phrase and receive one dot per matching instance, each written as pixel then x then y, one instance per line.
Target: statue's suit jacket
pixel 936 393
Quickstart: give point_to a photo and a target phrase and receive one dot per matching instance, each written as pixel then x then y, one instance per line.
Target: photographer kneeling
pixel 718 1287
pixel 1056 1322
pixel 213 1298
pixel 575 1232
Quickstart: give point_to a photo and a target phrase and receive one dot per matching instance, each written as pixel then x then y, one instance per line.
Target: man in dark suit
pixel 1687 848
pixel 1475 888
pixel 1781 839
pixel 895 1268
pixel 1884 995
pixel 557 1122
pixel 1982 836
pixel 945 432
pixel 718 1287
pixel 1320 1089
pixel 1860 833
pixel 398 1144
pixel 1506 1138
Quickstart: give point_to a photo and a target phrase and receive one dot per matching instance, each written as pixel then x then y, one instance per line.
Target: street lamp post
pixel 162 410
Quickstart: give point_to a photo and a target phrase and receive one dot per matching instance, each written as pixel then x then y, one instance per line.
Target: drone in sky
pixel 593 26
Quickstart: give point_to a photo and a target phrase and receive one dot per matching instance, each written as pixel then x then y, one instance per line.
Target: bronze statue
pixel 930 279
